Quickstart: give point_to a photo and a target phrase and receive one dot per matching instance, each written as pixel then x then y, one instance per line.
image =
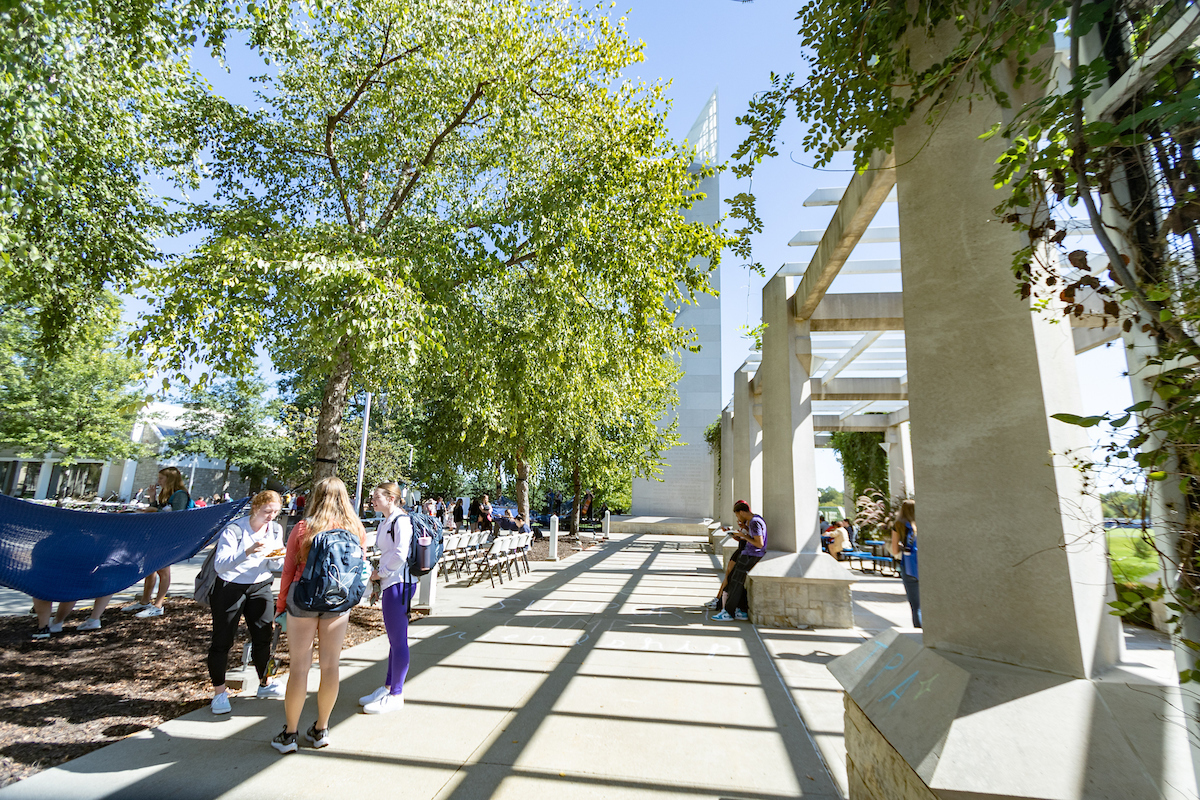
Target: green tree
pixel 88 97
pixel 81 403
pixel 415 164
pixel 233 421
pixel 1125 505
pixel 832 496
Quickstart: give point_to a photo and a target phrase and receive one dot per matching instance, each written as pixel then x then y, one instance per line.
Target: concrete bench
pixel 792 590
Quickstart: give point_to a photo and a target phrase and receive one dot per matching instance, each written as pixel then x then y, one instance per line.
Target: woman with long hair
pixel 247 551
pixel 171 496
pixel 904 550
pixel 328 508
pixel 394 541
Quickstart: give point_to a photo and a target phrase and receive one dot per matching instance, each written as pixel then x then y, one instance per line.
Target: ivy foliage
pixel 862 459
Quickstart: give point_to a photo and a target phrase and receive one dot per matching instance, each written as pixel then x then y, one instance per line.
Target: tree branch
pixel 404 189
pixel 332 120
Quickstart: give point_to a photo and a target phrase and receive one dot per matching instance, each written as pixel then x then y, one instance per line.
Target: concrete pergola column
pixel 796 584
pixel 728 484
pixel 747 439
pixel 1018 689
pixel 789 466
pixel 899 453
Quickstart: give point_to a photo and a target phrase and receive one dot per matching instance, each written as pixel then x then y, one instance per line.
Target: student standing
pixel 247 551
pixel 394 541
pixel 904 549
pixel 328 508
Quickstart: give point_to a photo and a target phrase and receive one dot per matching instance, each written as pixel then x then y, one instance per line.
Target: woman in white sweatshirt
pixel 393 538
pixel 246 552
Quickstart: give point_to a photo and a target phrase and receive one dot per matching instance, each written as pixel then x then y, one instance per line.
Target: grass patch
pixel 1133 558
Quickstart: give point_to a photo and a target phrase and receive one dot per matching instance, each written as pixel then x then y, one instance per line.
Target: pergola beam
pixel 857 389
pixel 857 208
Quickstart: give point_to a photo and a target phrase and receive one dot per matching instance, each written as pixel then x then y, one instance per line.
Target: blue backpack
pixel 334 576
pixel 908 555
pixel 422 558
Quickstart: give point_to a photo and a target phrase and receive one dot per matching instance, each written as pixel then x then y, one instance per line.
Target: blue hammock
pixel 57 554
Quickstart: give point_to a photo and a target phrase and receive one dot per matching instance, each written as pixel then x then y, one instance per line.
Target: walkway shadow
pixel 605 643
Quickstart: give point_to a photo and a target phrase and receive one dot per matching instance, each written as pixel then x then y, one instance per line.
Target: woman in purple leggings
pixel 394 538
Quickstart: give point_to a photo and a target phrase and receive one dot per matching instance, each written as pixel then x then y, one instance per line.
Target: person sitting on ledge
pixel 752 531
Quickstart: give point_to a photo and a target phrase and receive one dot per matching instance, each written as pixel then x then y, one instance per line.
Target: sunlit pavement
pixel 597 676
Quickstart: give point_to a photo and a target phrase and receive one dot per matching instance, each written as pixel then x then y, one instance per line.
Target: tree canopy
pixel 233 421
pixel 416 170
pixel 81 403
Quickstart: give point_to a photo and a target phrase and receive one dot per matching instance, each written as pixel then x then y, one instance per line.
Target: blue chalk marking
pixel 898 690
pixel 878 644
pixel 893 664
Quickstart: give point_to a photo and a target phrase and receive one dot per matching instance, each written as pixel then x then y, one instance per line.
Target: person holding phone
pixel 247 551
pixel 167 495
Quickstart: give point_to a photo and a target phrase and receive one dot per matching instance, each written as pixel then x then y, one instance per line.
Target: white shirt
pixel 232 563
pixel 394 538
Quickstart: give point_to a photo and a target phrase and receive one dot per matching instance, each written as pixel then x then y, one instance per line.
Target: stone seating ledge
pixel 794 590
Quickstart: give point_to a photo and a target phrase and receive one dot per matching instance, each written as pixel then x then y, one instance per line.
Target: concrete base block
pixel 791 590
pixel 922 724
pixel 716 541
pixel 661 526
pixel 728 547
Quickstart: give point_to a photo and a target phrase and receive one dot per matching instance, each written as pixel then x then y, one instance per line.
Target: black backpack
pixel 423 558
pixel 334 576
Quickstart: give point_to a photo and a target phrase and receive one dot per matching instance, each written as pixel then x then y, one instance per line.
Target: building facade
pixel 686 488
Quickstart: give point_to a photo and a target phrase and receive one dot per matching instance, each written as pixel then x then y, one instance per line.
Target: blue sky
pixel 733 47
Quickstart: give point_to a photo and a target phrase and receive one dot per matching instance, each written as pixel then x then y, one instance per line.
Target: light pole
pixel 362 457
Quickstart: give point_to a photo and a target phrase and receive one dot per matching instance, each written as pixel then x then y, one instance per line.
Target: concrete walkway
pixel 599 676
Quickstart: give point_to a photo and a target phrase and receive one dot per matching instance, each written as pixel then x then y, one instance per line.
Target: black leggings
pixel 230 602
pixel 737 584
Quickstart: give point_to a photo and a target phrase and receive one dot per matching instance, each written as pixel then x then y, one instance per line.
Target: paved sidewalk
pixel 599 676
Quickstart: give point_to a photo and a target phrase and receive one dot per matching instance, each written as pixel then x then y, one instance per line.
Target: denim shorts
pixel 296 611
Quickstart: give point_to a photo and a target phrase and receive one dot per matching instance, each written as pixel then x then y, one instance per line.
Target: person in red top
pixel 330 508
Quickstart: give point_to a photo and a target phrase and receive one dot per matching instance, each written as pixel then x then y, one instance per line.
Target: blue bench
pixel 884 565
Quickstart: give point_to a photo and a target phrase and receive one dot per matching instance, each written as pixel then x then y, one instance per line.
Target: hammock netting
pixel 59 554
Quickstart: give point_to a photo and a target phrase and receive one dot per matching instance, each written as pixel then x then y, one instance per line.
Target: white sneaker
pixel 152 611
pixel 220 704
pixel 89 624
pixel 56 627
pixel 274 689
pixel 137 607
pixel 374 696
pixel 389 702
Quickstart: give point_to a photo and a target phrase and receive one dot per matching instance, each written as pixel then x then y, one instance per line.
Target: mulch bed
pixel 77 692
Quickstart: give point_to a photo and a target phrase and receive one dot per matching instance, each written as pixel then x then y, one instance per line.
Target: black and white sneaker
pixel 41 633
pixel 285 742
pixel 319 738
pixel 714 604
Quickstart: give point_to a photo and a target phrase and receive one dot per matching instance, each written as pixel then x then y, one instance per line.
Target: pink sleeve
pixel 289 565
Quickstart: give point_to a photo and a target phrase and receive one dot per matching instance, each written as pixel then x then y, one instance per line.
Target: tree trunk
pixel 256 484
pixel 329 423
pixel 577 487
pixel 225 479
pixel 522 487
